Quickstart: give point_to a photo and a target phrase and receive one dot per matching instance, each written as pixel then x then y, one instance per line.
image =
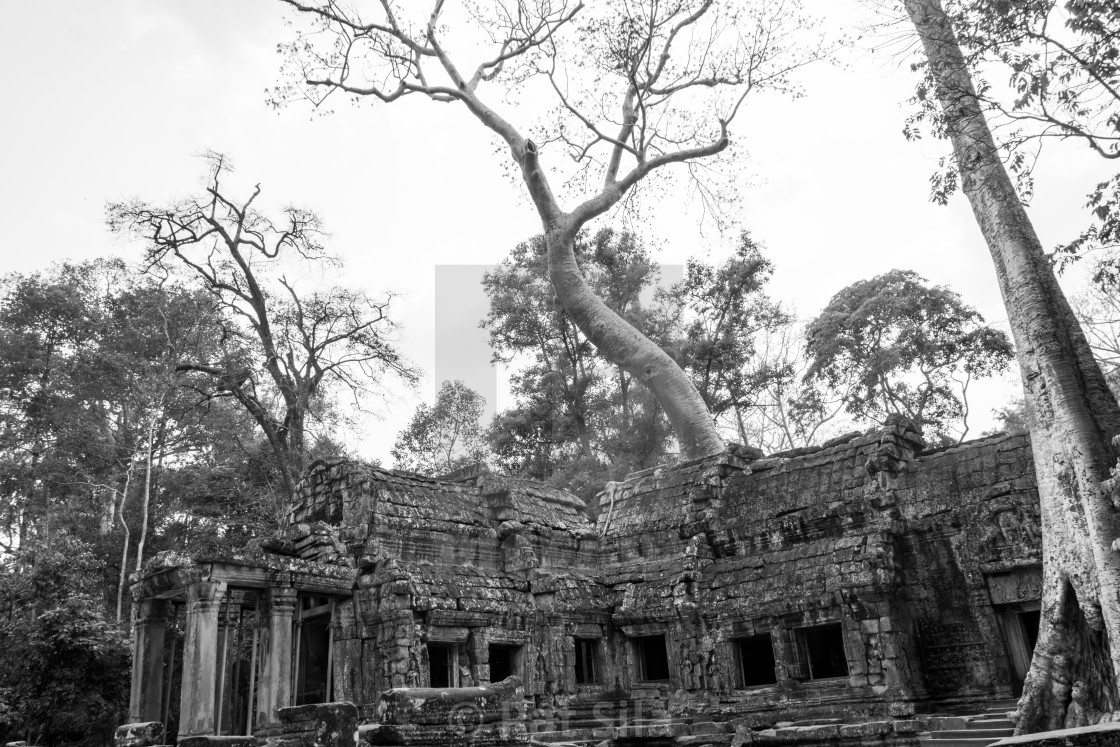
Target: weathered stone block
pixel 426 735
pixel 331 724
pixel 143 734
pixel 453 706
pixel 907 726
pixel 210 740
pixel 866 729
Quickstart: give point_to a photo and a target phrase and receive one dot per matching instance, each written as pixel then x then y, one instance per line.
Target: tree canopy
pixel 635 88
pixel 901 346
pixel 281 350
pixel 577 415
pixel 445 436
pixel 719 314
pixel 1047 70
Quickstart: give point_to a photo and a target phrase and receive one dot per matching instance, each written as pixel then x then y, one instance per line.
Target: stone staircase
pixel 979 730
pixel 635 730
pixel 624 721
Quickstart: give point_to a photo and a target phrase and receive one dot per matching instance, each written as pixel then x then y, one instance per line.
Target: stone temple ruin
pixel 851 589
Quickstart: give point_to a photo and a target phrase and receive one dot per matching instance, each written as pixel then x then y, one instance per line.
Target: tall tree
pixel 95 423
pixel 279 344
pixel 573 405
pixel 1072 414
pixel 637 87
pixel 896 345
pixel 719 315
pixel 445 436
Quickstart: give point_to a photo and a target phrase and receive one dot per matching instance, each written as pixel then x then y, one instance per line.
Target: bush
pixel 64 675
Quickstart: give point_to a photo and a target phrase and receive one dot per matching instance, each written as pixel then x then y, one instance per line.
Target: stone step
pixel 989 723
pixel 970 733
pixel 931 741
pixel 568 736
pixel 1001 706
pixel 559 724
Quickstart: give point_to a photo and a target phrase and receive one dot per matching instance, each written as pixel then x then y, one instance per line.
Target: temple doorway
pixel 313 671
pixel 1019 625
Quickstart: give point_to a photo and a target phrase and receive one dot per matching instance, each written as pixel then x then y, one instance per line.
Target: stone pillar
pixel 146 699
pixel 275 688
pixel 200 648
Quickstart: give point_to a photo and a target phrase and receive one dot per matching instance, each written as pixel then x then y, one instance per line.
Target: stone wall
pixel 900 550
pixel 905 560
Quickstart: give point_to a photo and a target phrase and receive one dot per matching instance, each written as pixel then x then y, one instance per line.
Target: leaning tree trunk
pixel 623 345
pixel 1071 414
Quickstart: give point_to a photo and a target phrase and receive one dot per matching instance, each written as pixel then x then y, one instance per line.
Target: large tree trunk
pixel 625 346
pixel 615 338
pixel 1071 413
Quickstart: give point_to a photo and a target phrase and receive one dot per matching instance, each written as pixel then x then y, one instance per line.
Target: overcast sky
pixel 113 99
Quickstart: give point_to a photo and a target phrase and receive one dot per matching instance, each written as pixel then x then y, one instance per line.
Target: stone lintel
pixel 460 618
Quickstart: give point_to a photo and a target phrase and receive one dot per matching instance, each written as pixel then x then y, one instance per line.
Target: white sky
pixel 113 99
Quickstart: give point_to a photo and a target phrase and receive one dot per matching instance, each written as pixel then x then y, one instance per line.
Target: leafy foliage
pixel 1062 66
pixel 443 437
pixel 64 666
pixel 900 346
pixel 718 314
pixel 574 407
pixel 580 418
pixel 1011 418
pixel 87 385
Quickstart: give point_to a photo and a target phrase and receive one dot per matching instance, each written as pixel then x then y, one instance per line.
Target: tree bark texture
pixel 628 348
pixel 1071 413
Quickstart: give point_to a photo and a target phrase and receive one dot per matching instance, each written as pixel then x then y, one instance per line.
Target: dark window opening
pixel 503 661
pixel 587 655
pixel 756 661
pixel 823 649
pixel 313 678
pixel 653 658
pixel 442 661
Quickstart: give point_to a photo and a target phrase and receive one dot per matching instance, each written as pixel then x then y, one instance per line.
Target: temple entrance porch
pixel 218 647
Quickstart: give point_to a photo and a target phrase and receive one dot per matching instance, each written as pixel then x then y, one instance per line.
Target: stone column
pixel 275 687
pixel 196 706
pixel 146 699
